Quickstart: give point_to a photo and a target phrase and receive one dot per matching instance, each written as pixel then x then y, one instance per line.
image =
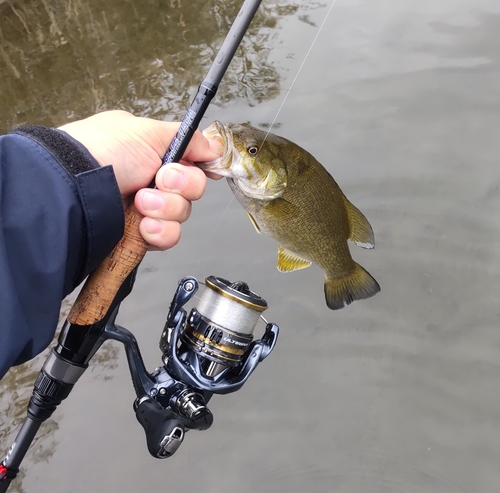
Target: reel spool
pixel 220 329
pixel 213 349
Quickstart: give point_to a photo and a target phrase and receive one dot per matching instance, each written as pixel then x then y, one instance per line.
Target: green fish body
pixel 291 197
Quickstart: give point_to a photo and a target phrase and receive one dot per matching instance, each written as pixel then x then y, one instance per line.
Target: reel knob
pixel 164 431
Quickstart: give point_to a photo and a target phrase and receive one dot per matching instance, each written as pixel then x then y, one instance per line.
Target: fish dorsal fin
pixel 254 222
pixel 289 261
pixel 360 231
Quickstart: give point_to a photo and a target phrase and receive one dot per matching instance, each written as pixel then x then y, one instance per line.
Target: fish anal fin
pixel 289 261
pixel 360 231
pixel 254 222
pixel 359 285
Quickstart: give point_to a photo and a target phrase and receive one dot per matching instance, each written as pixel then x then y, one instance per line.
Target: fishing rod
pixel 210 351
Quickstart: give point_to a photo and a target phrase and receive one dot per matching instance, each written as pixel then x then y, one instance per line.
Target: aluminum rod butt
pixel 62 370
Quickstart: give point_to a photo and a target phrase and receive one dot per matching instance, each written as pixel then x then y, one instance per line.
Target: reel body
pixel 211 351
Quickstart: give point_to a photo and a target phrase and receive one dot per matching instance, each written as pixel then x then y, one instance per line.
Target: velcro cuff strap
pixel 70 154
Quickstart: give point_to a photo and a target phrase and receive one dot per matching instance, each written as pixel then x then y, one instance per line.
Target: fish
pixel 291 197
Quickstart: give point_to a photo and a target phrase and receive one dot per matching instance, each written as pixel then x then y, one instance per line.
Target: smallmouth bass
pixel 290 196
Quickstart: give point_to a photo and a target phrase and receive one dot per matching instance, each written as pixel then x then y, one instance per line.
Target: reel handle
pixel 164 430
pixel 101 287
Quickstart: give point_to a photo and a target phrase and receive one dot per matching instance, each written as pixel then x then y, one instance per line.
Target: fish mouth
pixel 221 165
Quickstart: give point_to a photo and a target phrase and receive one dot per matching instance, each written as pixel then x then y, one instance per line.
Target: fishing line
pixel 214 229
pixel 300 70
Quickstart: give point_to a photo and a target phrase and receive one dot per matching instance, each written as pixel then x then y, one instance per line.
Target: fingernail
pixel 174 179
pixel 152 201
pixel 153 226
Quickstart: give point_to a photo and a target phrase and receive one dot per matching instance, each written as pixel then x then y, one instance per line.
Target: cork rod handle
pixel 100 289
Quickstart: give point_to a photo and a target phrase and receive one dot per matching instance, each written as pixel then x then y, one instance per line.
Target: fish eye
pixel 253 150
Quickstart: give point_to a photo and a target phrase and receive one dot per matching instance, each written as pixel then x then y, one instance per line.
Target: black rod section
pixel 210 84
pixel 9 467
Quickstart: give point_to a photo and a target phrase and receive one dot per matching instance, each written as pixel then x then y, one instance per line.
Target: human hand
pixel 135 147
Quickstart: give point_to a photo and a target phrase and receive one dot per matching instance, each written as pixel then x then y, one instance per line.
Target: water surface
pixel 400 101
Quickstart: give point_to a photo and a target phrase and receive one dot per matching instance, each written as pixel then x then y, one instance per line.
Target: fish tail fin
pixel 343 291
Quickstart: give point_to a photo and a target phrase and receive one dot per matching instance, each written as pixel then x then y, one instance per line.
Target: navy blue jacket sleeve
pixel 60 215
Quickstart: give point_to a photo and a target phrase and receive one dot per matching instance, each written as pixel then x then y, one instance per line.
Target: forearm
pixel 60 216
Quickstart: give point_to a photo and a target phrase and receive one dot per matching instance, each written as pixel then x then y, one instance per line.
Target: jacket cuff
pixel 70 154
pixel 104 214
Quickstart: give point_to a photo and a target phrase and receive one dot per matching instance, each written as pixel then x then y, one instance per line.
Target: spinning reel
pixel 211 351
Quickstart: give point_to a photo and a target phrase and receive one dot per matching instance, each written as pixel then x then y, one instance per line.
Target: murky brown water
pixel 400 101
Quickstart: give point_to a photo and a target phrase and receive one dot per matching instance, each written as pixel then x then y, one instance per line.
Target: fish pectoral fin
pixel 254 222
pixel 289 261
pixel 360 231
